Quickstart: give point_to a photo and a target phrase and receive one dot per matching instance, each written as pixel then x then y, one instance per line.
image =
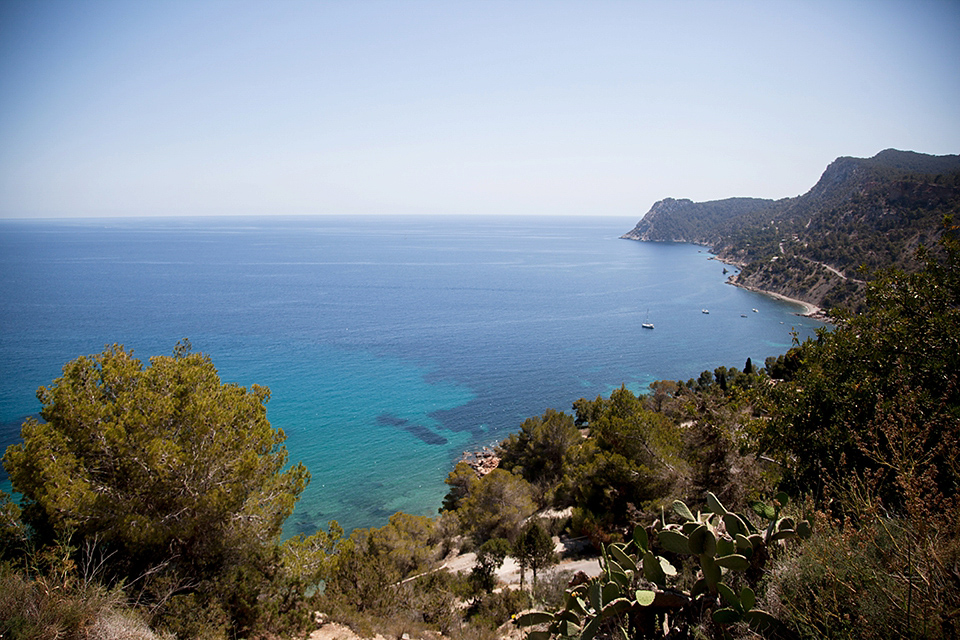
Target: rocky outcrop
pixel 646 230
pixel 482 462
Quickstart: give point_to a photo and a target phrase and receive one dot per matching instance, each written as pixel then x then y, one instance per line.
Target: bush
pixel 550 589
pixel 496 608
pixel 866 581
pixel 190 616
pixel 121 625
pixel 430 601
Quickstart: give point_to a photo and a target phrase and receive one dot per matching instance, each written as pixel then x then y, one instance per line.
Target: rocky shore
pixel 482 462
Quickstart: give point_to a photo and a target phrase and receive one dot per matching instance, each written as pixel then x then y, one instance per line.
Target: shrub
pixel 42 607
pixel 874 579
pixel 496 608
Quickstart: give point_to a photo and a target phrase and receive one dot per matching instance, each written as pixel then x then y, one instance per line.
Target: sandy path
pixel 509 572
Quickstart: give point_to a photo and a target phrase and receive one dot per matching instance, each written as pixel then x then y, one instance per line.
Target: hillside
pixel 864 214
pixel 671 220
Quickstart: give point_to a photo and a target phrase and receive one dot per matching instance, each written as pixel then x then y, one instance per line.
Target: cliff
pixel 864 214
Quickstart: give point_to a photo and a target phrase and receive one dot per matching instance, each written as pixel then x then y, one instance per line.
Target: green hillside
pixel 863 215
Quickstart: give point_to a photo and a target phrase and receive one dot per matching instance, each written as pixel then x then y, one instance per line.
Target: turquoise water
pixel 390 344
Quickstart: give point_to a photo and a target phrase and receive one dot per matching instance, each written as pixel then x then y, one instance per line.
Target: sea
pixel 391 344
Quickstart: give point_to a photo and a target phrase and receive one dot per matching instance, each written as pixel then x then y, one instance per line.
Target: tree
pixel 534 550
pixel 497 506
pixel 636 459
pixel 461 480
pixel 588 411
pixel 662 392
pixel 705 380
pixel 408 541
pixel 363 576
pixel 539 451
pixel 490 557
pixel 12 535
pixel 163 466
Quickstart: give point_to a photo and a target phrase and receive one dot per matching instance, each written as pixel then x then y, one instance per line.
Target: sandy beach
pixel 810 310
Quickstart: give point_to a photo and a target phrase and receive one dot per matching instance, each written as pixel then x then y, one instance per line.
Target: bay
pixel 390 344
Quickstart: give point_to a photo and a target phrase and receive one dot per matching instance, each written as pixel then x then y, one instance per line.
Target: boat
pixel 647 324
pixel 755 311
pixel 743 315
pixel 704 311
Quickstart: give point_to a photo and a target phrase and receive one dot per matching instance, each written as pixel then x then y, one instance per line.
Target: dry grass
pixel 42 608
pixel 121 625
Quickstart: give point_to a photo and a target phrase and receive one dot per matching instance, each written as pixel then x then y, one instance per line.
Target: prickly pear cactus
pixel 632 596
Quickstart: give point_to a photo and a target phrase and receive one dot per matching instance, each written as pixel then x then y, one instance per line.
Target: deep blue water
pixel 390 344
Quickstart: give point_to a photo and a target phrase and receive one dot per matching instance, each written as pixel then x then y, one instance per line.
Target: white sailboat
pixel 647 324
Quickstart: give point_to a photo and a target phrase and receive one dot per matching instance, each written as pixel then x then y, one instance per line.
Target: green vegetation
pixel 638 593
pixel 687 221
pixel 490 557
pixel 116 457
pixel 878 396
pixel 816 497
pixel 162 482
pixel 534 550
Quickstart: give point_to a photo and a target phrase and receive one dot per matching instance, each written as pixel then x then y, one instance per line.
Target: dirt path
pixel 509 572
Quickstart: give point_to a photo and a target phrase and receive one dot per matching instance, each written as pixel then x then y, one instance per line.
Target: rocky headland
pixel 819 249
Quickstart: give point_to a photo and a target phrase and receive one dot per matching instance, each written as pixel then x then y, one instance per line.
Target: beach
pixel 810 310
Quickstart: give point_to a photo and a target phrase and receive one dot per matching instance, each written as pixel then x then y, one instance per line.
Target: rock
pixel 482 462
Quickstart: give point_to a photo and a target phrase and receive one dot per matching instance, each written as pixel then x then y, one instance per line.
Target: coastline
pixel 810 310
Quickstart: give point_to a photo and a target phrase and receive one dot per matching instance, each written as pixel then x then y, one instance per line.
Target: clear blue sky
pixel 141 107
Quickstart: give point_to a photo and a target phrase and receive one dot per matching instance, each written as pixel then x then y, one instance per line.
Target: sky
pixel 143 108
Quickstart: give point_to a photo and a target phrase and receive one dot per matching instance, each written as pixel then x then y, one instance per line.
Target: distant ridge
pixel 865 213
pixel 671 220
